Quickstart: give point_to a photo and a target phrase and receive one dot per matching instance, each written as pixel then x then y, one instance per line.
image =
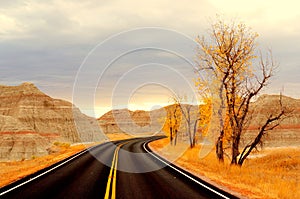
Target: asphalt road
pixel 126 169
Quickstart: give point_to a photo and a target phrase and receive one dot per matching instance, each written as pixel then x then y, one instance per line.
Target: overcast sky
pixel 117 61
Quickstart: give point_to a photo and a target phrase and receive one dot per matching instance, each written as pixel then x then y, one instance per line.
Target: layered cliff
pixel 288 131
pixel 30 121
pixel 270 104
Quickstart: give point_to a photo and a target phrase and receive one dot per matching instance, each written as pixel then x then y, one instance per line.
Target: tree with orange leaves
pixel 228 58
pixel 172 122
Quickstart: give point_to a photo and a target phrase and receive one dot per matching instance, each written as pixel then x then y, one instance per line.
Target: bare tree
pixel 190 115
pixel 228 57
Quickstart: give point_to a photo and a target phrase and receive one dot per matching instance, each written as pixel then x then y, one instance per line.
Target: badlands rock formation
pixel 287 134
pixel 30 121
pixel 137 123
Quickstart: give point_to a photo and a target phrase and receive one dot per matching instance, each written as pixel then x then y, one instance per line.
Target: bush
pixel 62 144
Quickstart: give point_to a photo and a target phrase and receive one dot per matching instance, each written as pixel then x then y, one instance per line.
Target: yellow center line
pixel 113 195
pixel 109 177
pixel 113 174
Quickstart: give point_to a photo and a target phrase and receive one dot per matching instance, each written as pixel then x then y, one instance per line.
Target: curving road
pixel 120 169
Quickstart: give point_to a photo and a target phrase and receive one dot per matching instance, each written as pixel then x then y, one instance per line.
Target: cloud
pixel 91 19
pixel 46 41
pixel 94 19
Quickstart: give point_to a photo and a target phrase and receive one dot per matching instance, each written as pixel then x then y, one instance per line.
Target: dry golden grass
pixel 274 175
pixel 13 171
pixel 118 136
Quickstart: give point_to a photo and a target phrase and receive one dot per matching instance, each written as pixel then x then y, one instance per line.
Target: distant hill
pixel 267 103
pixel 133 122
pixel 30 121
pixel 288 133
pixel 137 123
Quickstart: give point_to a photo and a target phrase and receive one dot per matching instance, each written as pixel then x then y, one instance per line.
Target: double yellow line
pixel 113 174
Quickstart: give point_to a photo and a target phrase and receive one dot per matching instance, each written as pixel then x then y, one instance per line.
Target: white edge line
pixel 31 179
pixel 191 178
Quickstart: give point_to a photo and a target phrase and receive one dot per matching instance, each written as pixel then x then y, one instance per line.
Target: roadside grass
pixel 16 170
pixel 273 173
pixel 118 136
pixel 13 171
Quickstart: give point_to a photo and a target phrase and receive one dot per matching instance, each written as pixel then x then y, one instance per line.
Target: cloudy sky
pixel 99 53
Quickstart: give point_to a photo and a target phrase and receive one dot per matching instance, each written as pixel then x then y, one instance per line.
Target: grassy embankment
pixel 274 173
pixel 13 171
pixel 118 136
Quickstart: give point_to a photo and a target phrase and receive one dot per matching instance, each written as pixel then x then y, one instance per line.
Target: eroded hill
pixel 286 134
pixel 30 121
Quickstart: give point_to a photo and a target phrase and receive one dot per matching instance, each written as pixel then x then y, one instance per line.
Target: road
pixel 120 169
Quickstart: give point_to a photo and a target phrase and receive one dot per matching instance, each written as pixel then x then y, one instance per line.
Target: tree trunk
pixel 195 131
pixel 235 148
pixel 248 149
pixel 190 135
pixel 171 136
pixel 219 147
pixel 175 140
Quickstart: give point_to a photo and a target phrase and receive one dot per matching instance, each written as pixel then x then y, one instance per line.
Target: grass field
pixel 273 173
pixel 13 171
